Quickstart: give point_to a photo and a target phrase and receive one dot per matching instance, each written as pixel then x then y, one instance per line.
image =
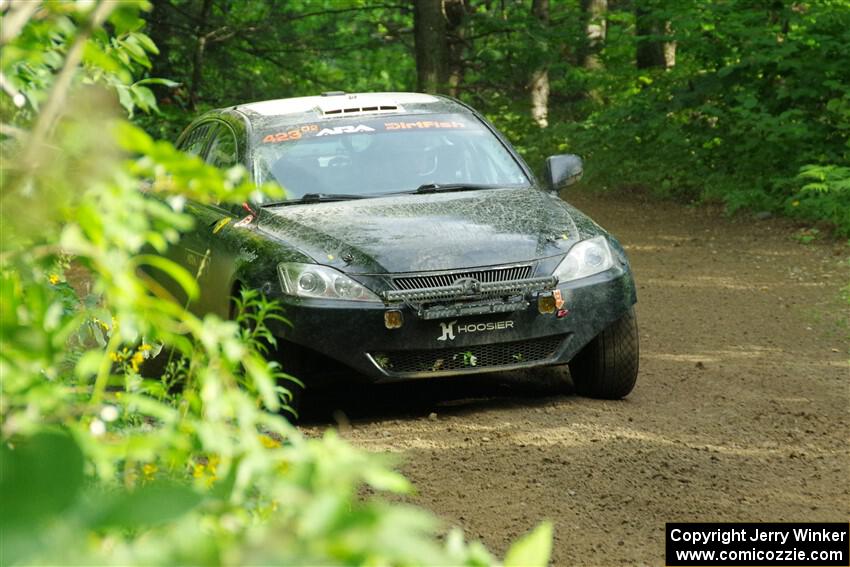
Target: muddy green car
pixel 413 242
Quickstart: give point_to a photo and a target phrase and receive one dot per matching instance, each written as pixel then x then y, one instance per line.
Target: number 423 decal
pixel 298 133
pixel 291 135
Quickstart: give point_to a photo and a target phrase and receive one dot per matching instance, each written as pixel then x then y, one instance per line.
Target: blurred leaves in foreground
pixel 102 463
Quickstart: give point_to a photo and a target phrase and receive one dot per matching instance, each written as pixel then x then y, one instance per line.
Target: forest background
pixel 740 102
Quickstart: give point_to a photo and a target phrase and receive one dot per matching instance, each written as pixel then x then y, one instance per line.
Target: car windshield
pixel 387 154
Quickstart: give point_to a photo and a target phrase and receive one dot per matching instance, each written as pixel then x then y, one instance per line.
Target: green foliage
pixel 468 358
pixel 824 195
pixel 32 61
pixel 101 464
pixel 262 50
pixel 755 95
pixel 31 469
pixel 533 549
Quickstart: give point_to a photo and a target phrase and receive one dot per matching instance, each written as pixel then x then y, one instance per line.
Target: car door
pixel 211 250
pixel 186 251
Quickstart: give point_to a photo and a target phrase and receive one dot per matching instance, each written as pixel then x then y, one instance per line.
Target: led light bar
pixel 471 289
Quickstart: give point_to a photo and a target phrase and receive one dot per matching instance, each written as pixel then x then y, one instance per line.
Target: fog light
pixel 546 303
pixel 393 319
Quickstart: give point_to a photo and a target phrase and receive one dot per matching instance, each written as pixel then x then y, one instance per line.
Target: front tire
pixel 607 367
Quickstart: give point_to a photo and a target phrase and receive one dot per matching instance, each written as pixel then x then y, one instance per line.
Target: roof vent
pixel 359 109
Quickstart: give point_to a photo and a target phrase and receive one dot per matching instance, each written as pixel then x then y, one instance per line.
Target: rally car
pixel 413 241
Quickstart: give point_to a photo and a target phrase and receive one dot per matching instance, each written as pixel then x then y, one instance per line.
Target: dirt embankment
pixel 741 410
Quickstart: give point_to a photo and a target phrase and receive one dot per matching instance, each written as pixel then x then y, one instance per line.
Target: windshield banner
pixel 368 126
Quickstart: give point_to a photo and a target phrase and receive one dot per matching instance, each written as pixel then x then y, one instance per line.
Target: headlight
pixel 313 280
pixel 586 258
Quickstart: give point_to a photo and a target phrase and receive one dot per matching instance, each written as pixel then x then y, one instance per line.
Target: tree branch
pixel 402 7
pixel 16 18
pixel 493 32
pixel 226 33
pixel 59 91
pixel 275 61
pixel 315 49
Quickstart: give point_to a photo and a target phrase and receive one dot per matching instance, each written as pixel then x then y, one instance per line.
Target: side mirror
pixel 562 171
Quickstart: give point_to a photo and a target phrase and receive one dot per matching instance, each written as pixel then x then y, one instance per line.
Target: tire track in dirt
pixel 740 412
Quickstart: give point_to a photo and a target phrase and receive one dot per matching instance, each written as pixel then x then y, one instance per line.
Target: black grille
pixel 449 278
pixel 470 357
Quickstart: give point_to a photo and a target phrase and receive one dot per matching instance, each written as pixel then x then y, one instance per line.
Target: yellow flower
pixel 268 442
pixel 149 470
pixel 136 360
pixel 115 357
pixel 144 346
pixel 206 472
pixel 53 278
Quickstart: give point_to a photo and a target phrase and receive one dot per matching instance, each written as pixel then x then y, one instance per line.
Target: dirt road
pixel 740 411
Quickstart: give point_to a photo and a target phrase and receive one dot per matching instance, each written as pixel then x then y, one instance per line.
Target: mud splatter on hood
pixel 410 233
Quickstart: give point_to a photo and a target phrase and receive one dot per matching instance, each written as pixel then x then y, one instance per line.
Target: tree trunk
pixel 158 30
pixel 652 52
pixel 198 56
pixel 431 47
pixel 669 47
pixel 456 12
pixel 595 28
pixel 539 83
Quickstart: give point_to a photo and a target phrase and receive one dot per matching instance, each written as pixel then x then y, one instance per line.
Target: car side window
pixel 196 140
pixel 223 148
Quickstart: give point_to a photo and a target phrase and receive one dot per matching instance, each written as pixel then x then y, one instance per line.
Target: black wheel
pixel 607 367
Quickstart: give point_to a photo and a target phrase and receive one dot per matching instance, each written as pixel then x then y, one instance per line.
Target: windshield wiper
pixel 448 187
pixel 426 188
pixel 317 198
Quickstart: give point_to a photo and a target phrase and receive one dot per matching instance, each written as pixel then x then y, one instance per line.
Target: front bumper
pixel 355 335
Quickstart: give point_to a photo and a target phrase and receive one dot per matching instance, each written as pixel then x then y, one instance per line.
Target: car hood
pixel 443 231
